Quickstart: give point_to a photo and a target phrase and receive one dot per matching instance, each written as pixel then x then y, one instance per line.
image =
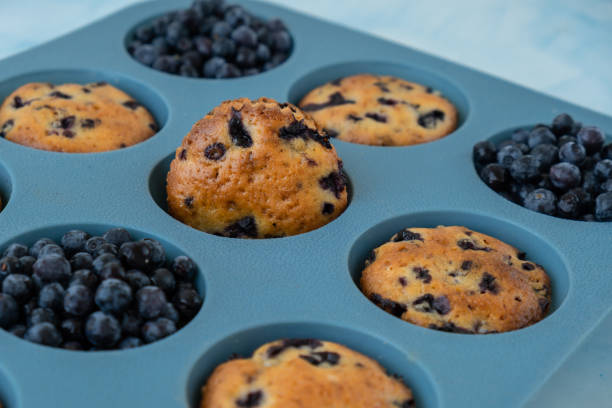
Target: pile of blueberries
pixel 211 40
pixel 563 170
pixel 95 292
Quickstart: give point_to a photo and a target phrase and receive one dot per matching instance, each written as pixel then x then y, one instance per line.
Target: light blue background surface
pixel 561 47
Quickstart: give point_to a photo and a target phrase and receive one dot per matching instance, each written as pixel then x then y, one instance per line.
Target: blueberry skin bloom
pixel 102 330
pixel 541 200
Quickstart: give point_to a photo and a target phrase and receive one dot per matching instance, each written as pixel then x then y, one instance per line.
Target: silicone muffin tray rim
pixel 302 286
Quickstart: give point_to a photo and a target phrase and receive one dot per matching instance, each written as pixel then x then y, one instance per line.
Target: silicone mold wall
pixel 260 290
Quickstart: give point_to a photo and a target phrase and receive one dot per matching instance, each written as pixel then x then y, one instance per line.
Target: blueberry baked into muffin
pixel 256 169
pixel 74 118
pixel 380 110
pixel 304 373
pixel 458 280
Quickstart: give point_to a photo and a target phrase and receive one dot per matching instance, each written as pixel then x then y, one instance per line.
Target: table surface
pixel 560 47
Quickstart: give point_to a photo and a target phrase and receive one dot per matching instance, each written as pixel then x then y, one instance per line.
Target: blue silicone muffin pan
pixel 302 286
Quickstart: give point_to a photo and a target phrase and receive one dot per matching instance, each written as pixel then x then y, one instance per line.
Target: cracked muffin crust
pixel 74 118
pixel 458 280
pixel 256 169
pixel 304 373
pixel 380 110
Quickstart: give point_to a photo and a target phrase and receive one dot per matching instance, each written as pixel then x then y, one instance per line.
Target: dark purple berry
pixel 117 236
pixel 508 154
pixel 16 250
pixel 77 300
pixel 157 329
pixel 603 169
pixel 150 301
pixel 592 138
pixel 541 200
pixel 164 279
pixel 19 286
pixel 184 268
pixel 565 176
pixel 113 296
pixel 526 168
pixel 562 124
pixel 573 153
pixel 51 296
pixel 603 207
pixel 9 311
pixel 541 135
pixel 495 176
pixel 102 330
pixel 44 333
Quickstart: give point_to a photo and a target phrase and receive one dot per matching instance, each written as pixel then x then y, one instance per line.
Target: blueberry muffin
pixel 256 169
pixel 380 110
pixel 304 373
pixel 74 118
pixel 458 280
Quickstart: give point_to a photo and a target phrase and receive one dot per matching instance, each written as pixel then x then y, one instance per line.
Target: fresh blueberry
pixel 51 296
pixel 175 31
pixel 263 53
pixel 137 255
pixel 150 301
pixel 541 135
pixel 102 330
pixel 566 139
pixel 117 236
pixel 184 45
pixel 194 59
pixel 137 279
pixel 52 268
pixel 160 45
pixel 228 71
pixel 113 296
pixel 569 205
pixel 520 136
pixel 484 152
pixel 592 138
pixel 223 47
pixel 573 153
pixel 565 176
pixel 603 207
pixel 158 253
pixel 590 183
pixel 106 248
pixel 81 260
pixel 74 241
pixel 508 154
pixel 187 70
pixel 606 186
pixel 184 268
pixel 112 270
pixel 167 63
pixel 18 286
pixel 72 329
pixel 40 315
pixel 38 245
pixel 16 250
pixel 77 300
pixel 203 46
pixel 546 154
pixel 562 124
pixel 131 324
pixel 495 176
pixel 236 16
pixel 164 279
pixel 44 333
pixel 9 311
pixel 92 245
pixel 50 249
pixel 144 33
pixel 221 29
pixel 157 329
pixel 171 313
pixel 145 54
pixel 9 265
pixel 26 263
pixel 73 345
pixel 541 200
pixel 276 25
pixel 244 35
pixel 100 261
pixel 187 302
pixel 84 277
pixel 281 41
pixel 245 57
pixel 525 169
pixel 213 66
pixel 130 342
pixel 603 169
